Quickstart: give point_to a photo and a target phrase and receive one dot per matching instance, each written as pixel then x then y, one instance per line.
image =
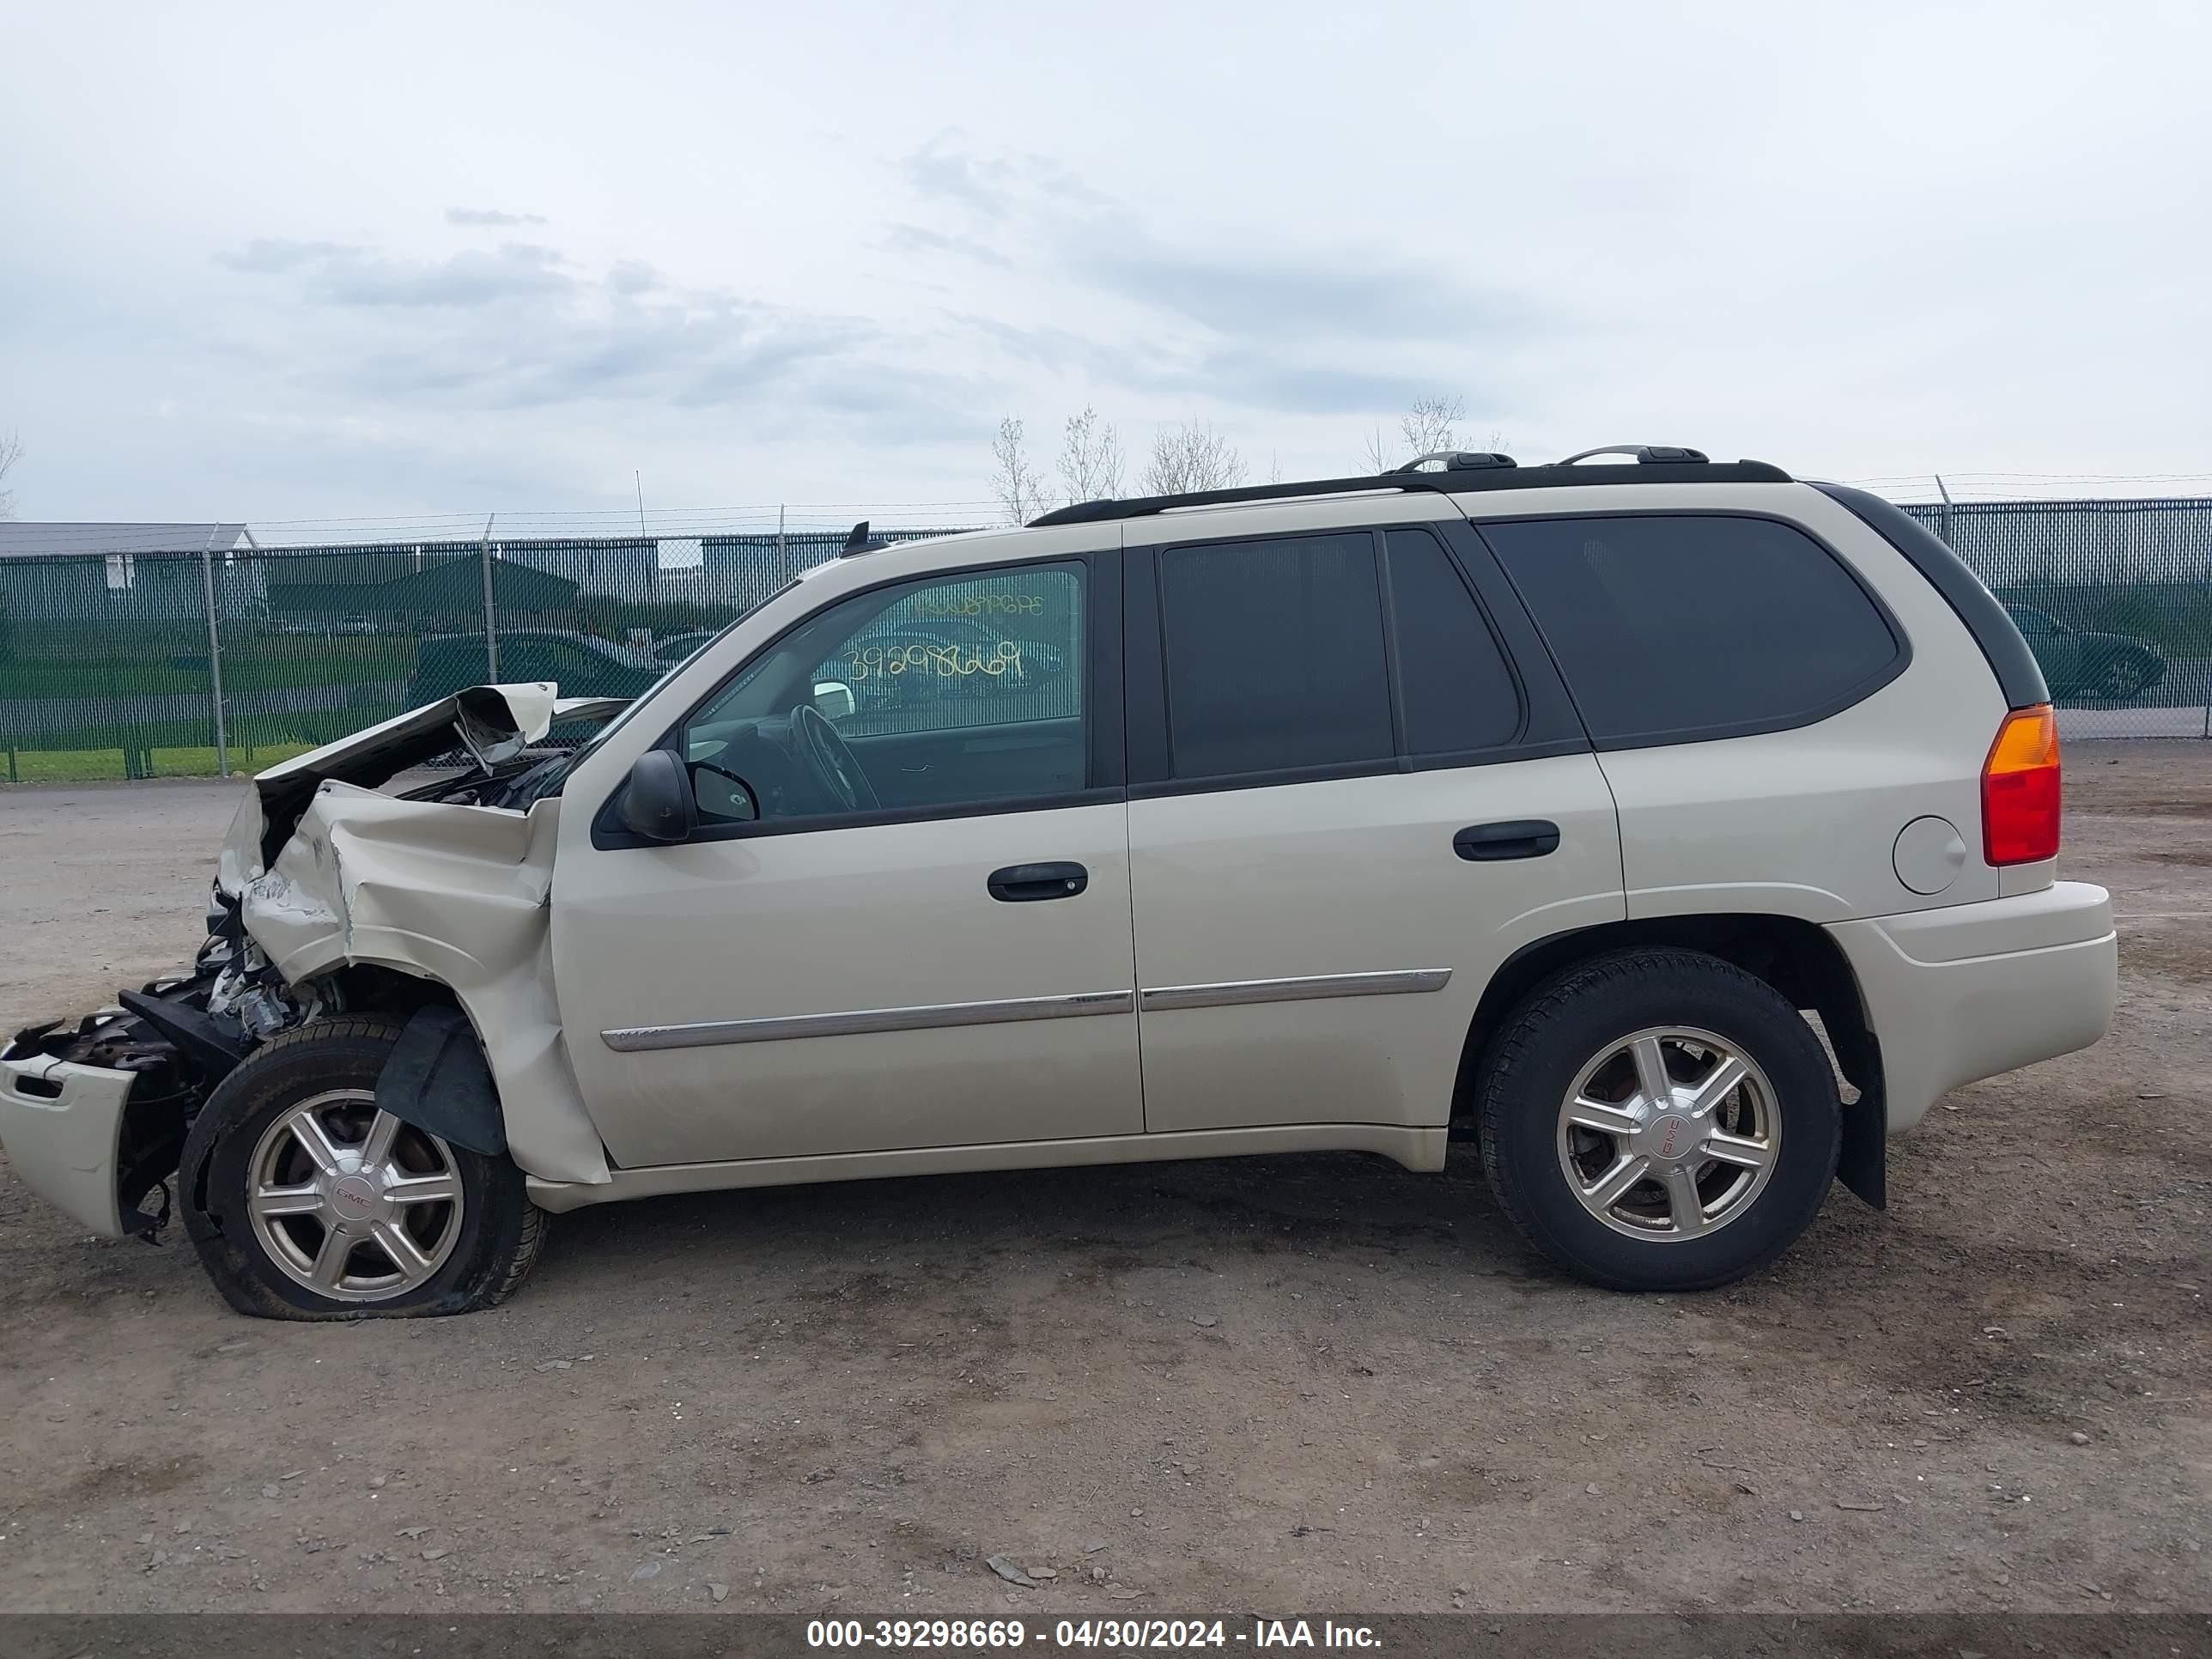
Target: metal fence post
pixel 214 655
pixel 491 629
pixel 1945 529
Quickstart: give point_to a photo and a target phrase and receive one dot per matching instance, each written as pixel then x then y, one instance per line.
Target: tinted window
pixel 1274 655
pixel 1679 625
pixel 1454 689
pixel 961 689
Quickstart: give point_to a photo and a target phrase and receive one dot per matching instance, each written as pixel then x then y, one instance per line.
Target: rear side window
pixel 1274 655
pixel 1455 689
pixel 1674 627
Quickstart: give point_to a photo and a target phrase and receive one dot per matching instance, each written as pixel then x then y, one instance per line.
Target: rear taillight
pixel 2019 789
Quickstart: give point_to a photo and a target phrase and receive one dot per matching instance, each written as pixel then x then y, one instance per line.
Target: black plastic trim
pixel 2019 676
pixel 1457 483
pixel 214 1044
pixel 1812 716
pixel 436 1079
pixel 1109 761
pixel 1144 684
pixel 1549 722
pixel 1517 838
pixel 1209 786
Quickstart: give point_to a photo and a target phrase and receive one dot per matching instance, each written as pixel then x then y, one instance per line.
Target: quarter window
pixel 1274 655
pixel 1680 626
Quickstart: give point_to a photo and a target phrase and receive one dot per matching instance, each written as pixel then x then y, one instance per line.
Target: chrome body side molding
pixel 636 1039
pixel 1232 992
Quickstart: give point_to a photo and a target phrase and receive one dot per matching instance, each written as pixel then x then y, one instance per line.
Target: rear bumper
pixel 61 1125
pixel 1967 991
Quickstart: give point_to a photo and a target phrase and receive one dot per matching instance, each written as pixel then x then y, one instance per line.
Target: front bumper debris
pixel 61 1125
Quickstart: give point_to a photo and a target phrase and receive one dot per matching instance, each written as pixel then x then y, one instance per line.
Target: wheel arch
pixel 1795 956
pixel 533 1103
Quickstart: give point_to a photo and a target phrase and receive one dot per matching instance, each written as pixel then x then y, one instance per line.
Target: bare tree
pixel 11 450
pixel 1431 424
pixel 1376 456
pixel 1013 480
pixel 1191 457
pixel 1091 458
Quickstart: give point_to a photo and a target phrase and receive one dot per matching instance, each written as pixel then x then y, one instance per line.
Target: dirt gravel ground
pixel 1287 1384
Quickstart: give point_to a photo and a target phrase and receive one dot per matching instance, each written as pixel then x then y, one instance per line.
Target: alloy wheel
pixel 1669 1133
pixel 350 1202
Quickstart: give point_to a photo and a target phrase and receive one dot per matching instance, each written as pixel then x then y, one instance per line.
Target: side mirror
pixel 833 699
pixel 657 801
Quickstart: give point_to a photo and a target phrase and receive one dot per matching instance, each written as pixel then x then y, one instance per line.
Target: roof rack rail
pixel 1646 454
pixel 1459 460
pixel 1655 465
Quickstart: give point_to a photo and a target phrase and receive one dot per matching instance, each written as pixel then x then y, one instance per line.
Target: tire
pixel 1657 1236
pixel 471 1232
pixel 2124 674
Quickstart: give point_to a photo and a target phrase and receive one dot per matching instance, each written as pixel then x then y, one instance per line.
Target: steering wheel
pixel 830 759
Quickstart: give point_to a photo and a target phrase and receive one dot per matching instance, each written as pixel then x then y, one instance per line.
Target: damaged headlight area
pixel 130 1079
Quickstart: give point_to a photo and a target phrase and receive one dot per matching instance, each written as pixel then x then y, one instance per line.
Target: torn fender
pixel 457 894
pixel 493 722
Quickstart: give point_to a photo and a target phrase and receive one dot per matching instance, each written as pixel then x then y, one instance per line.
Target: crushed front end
pixel 94 1116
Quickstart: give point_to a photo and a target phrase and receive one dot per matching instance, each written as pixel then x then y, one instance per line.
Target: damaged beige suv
pixel 1552 805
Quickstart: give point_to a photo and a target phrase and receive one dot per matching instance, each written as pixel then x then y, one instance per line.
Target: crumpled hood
pixel 494 723
pixel 329 873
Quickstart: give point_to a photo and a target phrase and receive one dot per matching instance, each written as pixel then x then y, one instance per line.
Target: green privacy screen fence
pixel 110 664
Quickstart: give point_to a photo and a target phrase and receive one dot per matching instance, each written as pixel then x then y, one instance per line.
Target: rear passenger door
pixel 1356 787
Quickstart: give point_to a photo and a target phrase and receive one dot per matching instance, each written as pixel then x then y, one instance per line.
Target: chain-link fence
pixel 2113 597
pixel 146 663
pixel 150 663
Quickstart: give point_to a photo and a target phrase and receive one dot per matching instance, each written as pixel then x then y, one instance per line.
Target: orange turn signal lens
pixel 2021 794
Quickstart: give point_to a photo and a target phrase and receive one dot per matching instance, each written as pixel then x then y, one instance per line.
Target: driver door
pixel 857 951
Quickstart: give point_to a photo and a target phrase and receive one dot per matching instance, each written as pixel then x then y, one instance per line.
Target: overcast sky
pixel 282 261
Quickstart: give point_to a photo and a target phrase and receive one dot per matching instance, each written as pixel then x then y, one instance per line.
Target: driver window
pixel 950 691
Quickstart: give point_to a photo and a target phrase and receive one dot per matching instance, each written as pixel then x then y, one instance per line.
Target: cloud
pixel 462 216
pixel 1224 309
pixel 526 328
pixel 272 255
pixel 993 187
pixel 340 274
pixel 1289 297
pixel 465 279
pixel 916 239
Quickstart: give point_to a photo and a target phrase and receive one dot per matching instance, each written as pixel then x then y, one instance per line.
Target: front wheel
pixel 1659 1120
pixel 306 1201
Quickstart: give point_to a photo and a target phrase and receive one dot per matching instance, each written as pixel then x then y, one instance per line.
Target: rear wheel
pixel 306 1201
pixel 1659 1120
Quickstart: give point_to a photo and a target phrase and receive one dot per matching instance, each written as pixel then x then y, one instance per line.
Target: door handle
pixel 1027 884
pixel 1522 838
